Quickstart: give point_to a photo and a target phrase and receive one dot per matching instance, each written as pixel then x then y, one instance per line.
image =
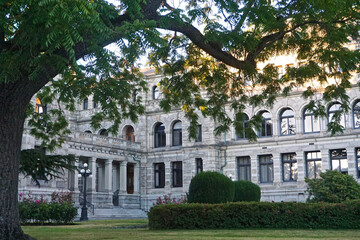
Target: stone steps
pixel 115 213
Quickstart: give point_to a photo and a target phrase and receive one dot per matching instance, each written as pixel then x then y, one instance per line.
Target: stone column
pixel 351 158
pixel 76 172
pixel 123 172
pixel 92 166
pixel 301 167
pixel 254 168
pixel 108 175
pixel 136 178
pixel 277 169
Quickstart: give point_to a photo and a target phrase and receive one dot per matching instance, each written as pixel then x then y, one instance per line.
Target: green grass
pixel 113 229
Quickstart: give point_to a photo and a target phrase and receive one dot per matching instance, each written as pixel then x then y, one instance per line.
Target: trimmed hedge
pixel 210 187
pixel 33 212
pixel 246 191
pixel 256 215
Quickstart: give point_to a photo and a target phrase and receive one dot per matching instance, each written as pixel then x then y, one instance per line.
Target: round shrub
pixel 246 191
pixel 211 187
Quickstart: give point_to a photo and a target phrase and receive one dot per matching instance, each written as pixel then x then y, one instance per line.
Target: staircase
pixel 115 213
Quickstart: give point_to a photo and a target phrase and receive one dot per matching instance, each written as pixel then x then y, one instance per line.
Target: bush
pixel 246 191
pixel 210 187
pixel 256 215
pixel 333 187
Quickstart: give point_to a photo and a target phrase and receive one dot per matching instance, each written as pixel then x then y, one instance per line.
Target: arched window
pixel 356 114
pixel 88 131
pixel 177 134
pixel 333 110
pixel 159 135
pixel 85 104
pixel 287 122
pixel 40 108
pixel 311 124
pixel 155 92
pixel 130 134
pixel 103 132
pixel 245 124
pixel 266 124
pixel 135 95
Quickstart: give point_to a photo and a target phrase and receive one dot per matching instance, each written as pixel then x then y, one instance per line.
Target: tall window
pixel 311 124
pixel 155 92
pixel 334 109
pixel 313 164
pixel 358 162
pixel 289 165
pixel 199 134
pixel 243 168
pixel 103 132
pixel 177 174
pixel 199 165
pixel 40 108
pixel 177 134
pixel 85 104
pixel 159 175
pixel 339 160
pixel 356 114
pixel 159 135
pixel 135 95
pixel 130 134
pixel 266 124
pixel 287 122
pixel 266 169
pixel 242 135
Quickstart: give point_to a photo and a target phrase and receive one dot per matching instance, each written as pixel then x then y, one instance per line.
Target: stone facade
pixel 132 174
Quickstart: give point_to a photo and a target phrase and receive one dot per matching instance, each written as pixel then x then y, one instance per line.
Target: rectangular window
pixel 199 165
pixel 177 174
pixel 289 165
pixel 159 175
pixel 313 164
pixel 339 160
pixel 358 162
pixel 266 169
pixel 243 168
pixel 199 134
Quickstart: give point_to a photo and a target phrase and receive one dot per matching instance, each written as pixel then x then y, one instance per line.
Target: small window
pixel 311 124
pixel 199 165
pixel 339 160
pixel 40 108
pixel 130 134
pixel 242 135
pixel 266 124
pixel 155 92
pixel 177 134
pixel 356 114
pixel 243 168
pixel 313 164
pixel 177 174
pixel 159 172
pixel 199 134
pixel 159 135
pixel 103 132
pixel 266 169
pixel 289 166
pixel 287 122
pixel 334 109
pixel 88 131
pixel 85 104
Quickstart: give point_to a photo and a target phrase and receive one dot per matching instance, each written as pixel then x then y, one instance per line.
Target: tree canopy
pixel 206 49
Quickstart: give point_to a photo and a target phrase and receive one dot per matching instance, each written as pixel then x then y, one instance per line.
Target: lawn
pixel 117 229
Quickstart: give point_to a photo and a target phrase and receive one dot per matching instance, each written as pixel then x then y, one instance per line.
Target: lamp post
pixel 84 172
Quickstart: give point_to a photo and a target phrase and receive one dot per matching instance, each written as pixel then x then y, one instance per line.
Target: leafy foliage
pixel 210 187
pixel 246 191
pixel 38 166
pixel 256 215
pixel 333 187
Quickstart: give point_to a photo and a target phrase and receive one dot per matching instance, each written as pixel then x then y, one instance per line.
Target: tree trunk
pixel 12 117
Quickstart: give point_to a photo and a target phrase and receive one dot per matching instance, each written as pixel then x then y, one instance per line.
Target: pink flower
pixel 163 201
pixel 21 194
pixel 37 201
pixel 177 202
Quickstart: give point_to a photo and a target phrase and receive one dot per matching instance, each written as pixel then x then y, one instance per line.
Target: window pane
pixel 269 128
pixel 316 124
pixel 356 112
pixel 292 125
pixel 294 171
pixel 311 170
pixel 284 126
pixel 318 168
pixel 344 165
pixel 287 172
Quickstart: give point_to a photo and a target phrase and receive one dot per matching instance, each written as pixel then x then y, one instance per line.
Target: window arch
pixel 287 122
pixel 159 135
pixel 356 114
pixel 88 131
pixel 85 104
pixel 129 134
pixel 103 132
pixel 244 125
pixel 155 92
pixel 266 124
pixel 333 110
pixel 311 123
pixel 177 134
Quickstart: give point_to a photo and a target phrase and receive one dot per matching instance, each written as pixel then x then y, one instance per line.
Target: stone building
pixel 154 156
